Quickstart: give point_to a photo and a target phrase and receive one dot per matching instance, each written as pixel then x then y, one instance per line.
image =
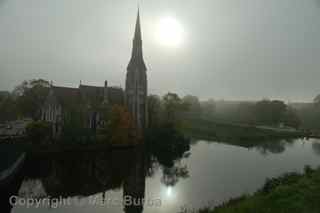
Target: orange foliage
pixel 122 128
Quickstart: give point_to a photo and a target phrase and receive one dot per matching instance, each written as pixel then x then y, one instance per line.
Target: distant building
pixel 61 100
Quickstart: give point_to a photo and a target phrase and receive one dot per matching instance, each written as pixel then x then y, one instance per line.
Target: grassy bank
pixel 290 193
pixel 210 130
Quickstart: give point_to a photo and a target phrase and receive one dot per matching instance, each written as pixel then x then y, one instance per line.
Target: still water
pixel 208 173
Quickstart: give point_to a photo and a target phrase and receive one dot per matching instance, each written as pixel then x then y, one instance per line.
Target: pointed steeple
pixel 137 33
pixel 136 60
pixel 136 80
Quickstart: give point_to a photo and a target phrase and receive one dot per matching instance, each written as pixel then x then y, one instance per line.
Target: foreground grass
pixel 290 193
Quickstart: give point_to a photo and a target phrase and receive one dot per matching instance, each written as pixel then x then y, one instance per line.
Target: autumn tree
pixel 121 127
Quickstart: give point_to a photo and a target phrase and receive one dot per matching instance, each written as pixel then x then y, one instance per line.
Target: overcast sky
pixel 231 49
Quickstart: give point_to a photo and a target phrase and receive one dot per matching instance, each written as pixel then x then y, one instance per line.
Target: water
pixel 212 173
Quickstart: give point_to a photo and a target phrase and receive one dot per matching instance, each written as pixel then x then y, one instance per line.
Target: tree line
pixel 28 97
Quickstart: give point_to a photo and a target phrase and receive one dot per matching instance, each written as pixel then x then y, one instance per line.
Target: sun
pixel 169 32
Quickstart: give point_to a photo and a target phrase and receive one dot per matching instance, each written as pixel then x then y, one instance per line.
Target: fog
pixel 243 50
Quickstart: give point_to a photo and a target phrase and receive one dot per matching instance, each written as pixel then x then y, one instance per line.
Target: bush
pixel 39 132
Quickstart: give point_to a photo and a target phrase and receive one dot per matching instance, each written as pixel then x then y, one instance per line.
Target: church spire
pixel 136 60
pixel 137 33
pixel 136 80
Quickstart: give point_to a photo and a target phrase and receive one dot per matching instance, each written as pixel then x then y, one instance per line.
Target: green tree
pixel 8 109
pixel 291 118
pixel 30 96
pixel 193 104
pixel 172 107
pixel 270 112
pixel 74 128
pixel 208 108
pixel 38 131
pixel 154 110
pixel 316 100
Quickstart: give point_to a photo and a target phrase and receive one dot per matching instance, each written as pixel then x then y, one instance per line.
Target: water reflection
pixel 265 147
pixel 316 147
pixel 123 173
pixel 274 146
pixel 84 174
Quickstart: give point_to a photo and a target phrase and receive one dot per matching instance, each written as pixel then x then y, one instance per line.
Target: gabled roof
pixel 92 94
pixel 66 95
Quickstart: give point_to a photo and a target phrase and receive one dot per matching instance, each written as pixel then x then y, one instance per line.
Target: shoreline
pixel 291 192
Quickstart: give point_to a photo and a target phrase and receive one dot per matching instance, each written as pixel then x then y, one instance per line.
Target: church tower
pixel 136 81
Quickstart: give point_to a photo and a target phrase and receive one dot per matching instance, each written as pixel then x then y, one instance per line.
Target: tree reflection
pixel 316 147
pixel 274 146
pixel 172 175
pixel 167 147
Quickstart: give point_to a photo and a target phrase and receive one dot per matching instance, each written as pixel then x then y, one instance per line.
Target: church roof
pixel 66 95
pixel 92 94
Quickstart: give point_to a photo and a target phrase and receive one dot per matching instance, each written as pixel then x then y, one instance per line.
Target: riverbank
pixel 43 149
pixel 290 193
pixel 209 130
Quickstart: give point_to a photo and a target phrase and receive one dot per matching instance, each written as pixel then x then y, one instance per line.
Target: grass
pixel 290 193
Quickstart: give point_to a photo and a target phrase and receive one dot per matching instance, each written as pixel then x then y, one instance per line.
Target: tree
pixel 121 127
pixel 316 100
pixel 74 127
pixel 172 106
pixel 38 131
pixel 154 110
pixel 193 104
pixel 30 96
pixel 8 109
pixel 208 108
pixel 270 112
pixel 291 118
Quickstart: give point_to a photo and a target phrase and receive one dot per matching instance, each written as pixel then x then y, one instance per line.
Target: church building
pixel 61 100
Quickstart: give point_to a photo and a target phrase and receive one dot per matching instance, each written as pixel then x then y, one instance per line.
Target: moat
pixel 208 173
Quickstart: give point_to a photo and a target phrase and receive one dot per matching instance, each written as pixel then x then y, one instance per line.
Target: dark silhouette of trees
pixel 270 112
pixel 208 108
pixel 38 131
pixel 30 96
pixel 8 109
pixel 154 110
pixel 316 100
pixel 172 107
pixel 193 104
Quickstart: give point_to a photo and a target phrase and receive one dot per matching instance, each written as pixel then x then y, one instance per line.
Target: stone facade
pixel 62 100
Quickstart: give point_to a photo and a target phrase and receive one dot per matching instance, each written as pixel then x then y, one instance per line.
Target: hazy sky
pixel 231 49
